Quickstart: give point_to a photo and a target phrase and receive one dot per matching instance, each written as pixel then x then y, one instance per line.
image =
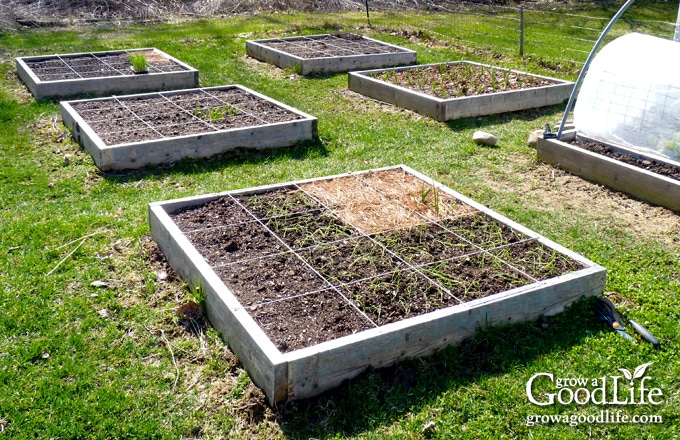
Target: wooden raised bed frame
pixel 309 371
pixel 638 182
pixel 259 50
pixel 462 107
pixel 106 85
pixel 171 149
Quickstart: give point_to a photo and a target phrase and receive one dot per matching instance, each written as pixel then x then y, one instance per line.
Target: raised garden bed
pixel 134 131
pixel 312 282
pixel 103 73
pixel 651 178
pixel 448 91
pixel 329 53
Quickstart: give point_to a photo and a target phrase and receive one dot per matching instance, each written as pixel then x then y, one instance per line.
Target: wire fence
pixel 533 29
pixel 552 33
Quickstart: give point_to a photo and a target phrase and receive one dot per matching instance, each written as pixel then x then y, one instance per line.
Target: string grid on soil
pixel 319 260
pixel 94 65
pixel 162 115
pixel 326 46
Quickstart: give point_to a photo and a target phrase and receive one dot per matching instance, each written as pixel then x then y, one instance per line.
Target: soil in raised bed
pixel 654 166
pixel 448 81
pixel 270 278
pixel 236 242
pixel 397 295
pixel 327 46
pixel 279 202
pixel 475 276
pixel 536 260
pixel 311 228
pixel 97 65
pixel 425 243
pixel 163 115
pixel 308 319
pixel 351 260
pixel 221 212
pixel 310 270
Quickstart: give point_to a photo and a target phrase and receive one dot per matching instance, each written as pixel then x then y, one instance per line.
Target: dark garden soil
pixel 97 65
pixel 448 81
pixel 315 261
pixel 327 46
pixel 647 164
pixel 163 115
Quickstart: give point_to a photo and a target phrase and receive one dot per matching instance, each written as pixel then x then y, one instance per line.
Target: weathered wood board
pixel 463 107
pixel 186 77
pixel 309 371
pixel 638 182
pixel 168 150
pixel 397 56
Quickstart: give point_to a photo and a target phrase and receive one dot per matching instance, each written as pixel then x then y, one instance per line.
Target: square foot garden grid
pixel 134 131
pixel 102 73
pixel 648 177
pixel 329 53
pixel 448 91
pixel 312 282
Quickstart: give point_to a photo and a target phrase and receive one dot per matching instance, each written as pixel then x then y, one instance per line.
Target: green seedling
pixel 139 62
pixel 671 147
pixel 223 112
pixel 436 199
pixel 425 191
pixel 494 80
pixel 506 79
pixel 216 113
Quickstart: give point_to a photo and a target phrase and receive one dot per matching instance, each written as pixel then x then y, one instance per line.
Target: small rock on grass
pixel 533 137
pixel 484 138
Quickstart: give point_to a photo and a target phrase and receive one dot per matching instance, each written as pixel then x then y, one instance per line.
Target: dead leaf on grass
pixel 253 404
pixel 189 310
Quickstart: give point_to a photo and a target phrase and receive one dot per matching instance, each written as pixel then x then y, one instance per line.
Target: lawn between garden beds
pixel 448 91
pixel 312 282
pixel 649 177
pixel 103 73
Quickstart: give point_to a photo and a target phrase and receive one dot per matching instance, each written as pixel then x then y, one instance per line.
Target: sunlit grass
pixel 80 359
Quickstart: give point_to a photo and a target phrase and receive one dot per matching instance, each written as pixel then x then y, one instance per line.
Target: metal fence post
pixel 676 37
pixel 368 18
pixel 521 31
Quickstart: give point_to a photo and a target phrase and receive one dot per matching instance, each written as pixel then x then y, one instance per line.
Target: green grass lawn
pixel 91 345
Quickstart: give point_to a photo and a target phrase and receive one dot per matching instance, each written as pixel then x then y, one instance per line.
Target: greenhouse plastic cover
pixel 631 95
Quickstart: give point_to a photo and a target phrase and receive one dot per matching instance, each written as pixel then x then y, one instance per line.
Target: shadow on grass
pixel 220 162
pixel 381 397
pixel 484 122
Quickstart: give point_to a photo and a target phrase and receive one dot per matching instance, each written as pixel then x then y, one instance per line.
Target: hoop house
pixel 631 95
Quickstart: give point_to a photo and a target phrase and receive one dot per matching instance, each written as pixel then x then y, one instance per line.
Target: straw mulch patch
pixel 386 200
